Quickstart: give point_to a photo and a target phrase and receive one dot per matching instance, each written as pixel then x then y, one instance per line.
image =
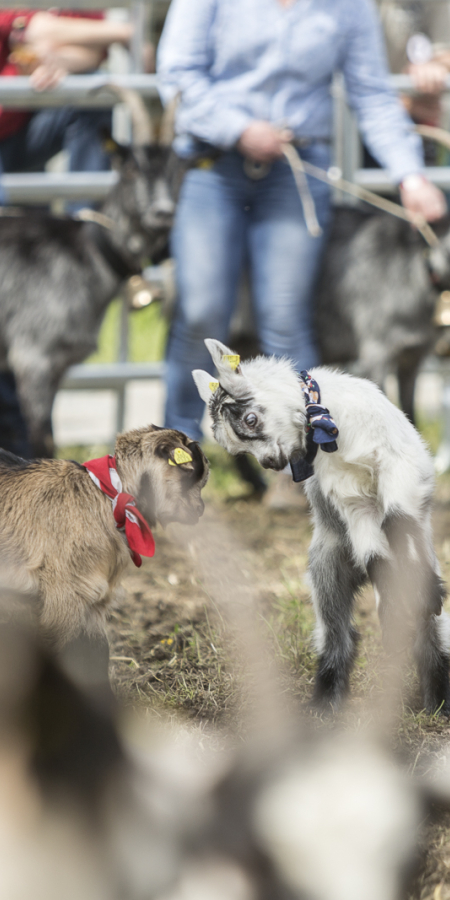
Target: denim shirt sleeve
pixel 384 125
pixel 220 100
pixel 184 63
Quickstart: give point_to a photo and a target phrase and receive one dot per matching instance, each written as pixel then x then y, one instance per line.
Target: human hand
pixel 47 76
pixel 423 108
pixel 262 142
pixel 422 198
pixel 428 77
pixel 45 72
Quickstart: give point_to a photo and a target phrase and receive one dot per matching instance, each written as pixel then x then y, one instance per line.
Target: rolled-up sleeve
pixel 185 56
pixel 384 125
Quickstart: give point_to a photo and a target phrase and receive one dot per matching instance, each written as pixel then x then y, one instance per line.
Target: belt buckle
pixel 256 170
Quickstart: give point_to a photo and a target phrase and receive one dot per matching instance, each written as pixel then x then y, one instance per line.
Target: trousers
pixel 226 219
pixel 79 131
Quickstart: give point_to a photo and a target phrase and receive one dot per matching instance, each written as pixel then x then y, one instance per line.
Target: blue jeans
pixel 50 130
pixel 223 218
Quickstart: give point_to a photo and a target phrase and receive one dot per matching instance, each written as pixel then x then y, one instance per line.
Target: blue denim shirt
pixel 235 61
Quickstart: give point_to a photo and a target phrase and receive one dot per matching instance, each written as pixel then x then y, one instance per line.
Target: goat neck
pixel 126 239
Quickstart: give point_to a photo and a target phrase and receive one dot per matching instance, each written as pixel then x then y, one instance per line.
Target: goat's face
pixel 256 407
pixel 438 258
pixel 166 472
pixel 144 197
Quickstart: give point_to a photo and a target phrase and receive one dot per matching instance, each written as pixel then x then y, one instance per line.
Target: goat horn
pixel 439 135
pixel 142 127
pixel 167 131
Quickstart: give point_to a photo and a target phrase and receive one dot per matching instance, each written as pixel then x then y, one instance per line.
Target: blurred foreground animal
pixel 69 542
pixel 370 498
pixel 377 294
pixel 178 811
pixel 57 276
pixel 80 817
pixel 168 816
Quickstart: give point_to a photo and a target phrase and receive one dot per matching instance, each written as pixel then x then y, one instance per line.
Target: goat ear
pixel 118 153
pixel 230 373
pixel 218 351
pixel 205 384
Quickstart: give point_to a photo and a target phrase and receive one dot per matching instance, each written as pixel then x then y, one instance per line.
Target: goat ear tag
pixel 110 145
pixel 180 456
pixel 233 360
pixel 213 385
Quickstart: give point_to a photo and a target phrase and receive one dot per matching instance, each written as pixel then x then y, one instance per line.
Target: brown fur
pixel 58 532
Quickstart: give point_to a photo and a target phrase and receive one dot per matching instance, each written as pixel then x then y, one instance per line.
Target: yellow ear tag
pixel 110 145
pixel 180 456
pixel 205 163
pixel 232 360
pixel 213 385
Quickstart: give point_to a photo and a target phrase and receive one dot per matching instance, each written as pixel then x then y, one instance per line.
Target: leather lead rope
pixel 299 167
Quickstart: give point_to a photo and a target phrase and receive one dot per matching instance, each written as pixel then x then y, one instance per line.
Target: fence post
pixel 123 357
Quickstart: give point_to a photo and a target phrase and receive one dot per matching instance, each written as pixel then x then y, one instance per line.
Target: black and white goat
pixel 371 505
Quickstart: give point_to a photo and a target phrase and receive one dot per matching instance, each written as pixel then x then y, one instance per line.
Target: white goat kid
pixel 371 504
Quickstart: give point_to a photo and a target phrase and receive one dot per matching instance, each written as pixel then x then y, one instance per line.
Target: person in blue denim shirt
pixel 252 74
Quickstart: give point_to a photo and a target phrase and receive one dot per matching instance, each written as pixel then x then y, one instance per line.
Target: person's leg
pixel 285 260
pixel 50 130
pixel 83 139
pixel 78 131
pixel 207 243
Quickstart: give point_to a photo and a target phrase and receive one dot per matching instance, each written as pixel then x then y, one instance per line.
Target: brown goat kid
pixel 59 536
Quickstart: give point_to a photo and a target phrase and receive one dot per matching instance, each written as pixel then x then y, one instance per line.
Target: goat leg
pixel 36 387
pixel 85 658
pixel 410 594
pixel 335 580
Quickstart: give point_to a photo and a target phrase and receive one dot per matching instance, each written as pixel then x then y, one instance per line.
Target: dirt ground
pixel 170 645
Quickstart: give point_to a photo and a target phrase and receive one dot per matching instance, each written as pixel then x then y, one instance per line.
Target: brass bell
pixel 141 293
pixel 441 316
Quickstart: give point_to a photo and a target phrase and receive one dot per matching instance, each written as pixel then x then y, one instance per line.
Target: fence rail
pixel 112 376
pixel 45 187
pixel 75 90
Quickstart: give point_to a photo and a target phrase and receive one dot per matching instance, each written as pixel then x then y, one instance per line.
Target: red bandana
pixel 104 474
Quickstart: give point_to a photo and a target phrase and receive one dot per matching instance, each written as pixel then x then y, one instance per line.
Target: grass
pixel 146 336
pixel 431 431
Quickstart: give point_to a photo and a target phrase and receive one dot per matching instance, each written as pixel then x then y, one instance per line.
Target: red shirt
pixel 12 120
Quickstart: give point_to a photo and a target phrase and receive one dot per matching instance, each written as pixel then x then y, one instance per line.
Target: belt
pixel 254 170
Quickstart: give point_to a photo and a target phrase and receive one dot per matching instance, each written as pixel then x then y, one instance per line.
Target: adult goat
pixel 57 276
pixel 376 297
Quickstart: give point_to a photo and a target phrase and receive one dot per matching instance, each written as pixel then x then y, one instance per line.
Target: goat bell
pixel 141 293
pixel 441 316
